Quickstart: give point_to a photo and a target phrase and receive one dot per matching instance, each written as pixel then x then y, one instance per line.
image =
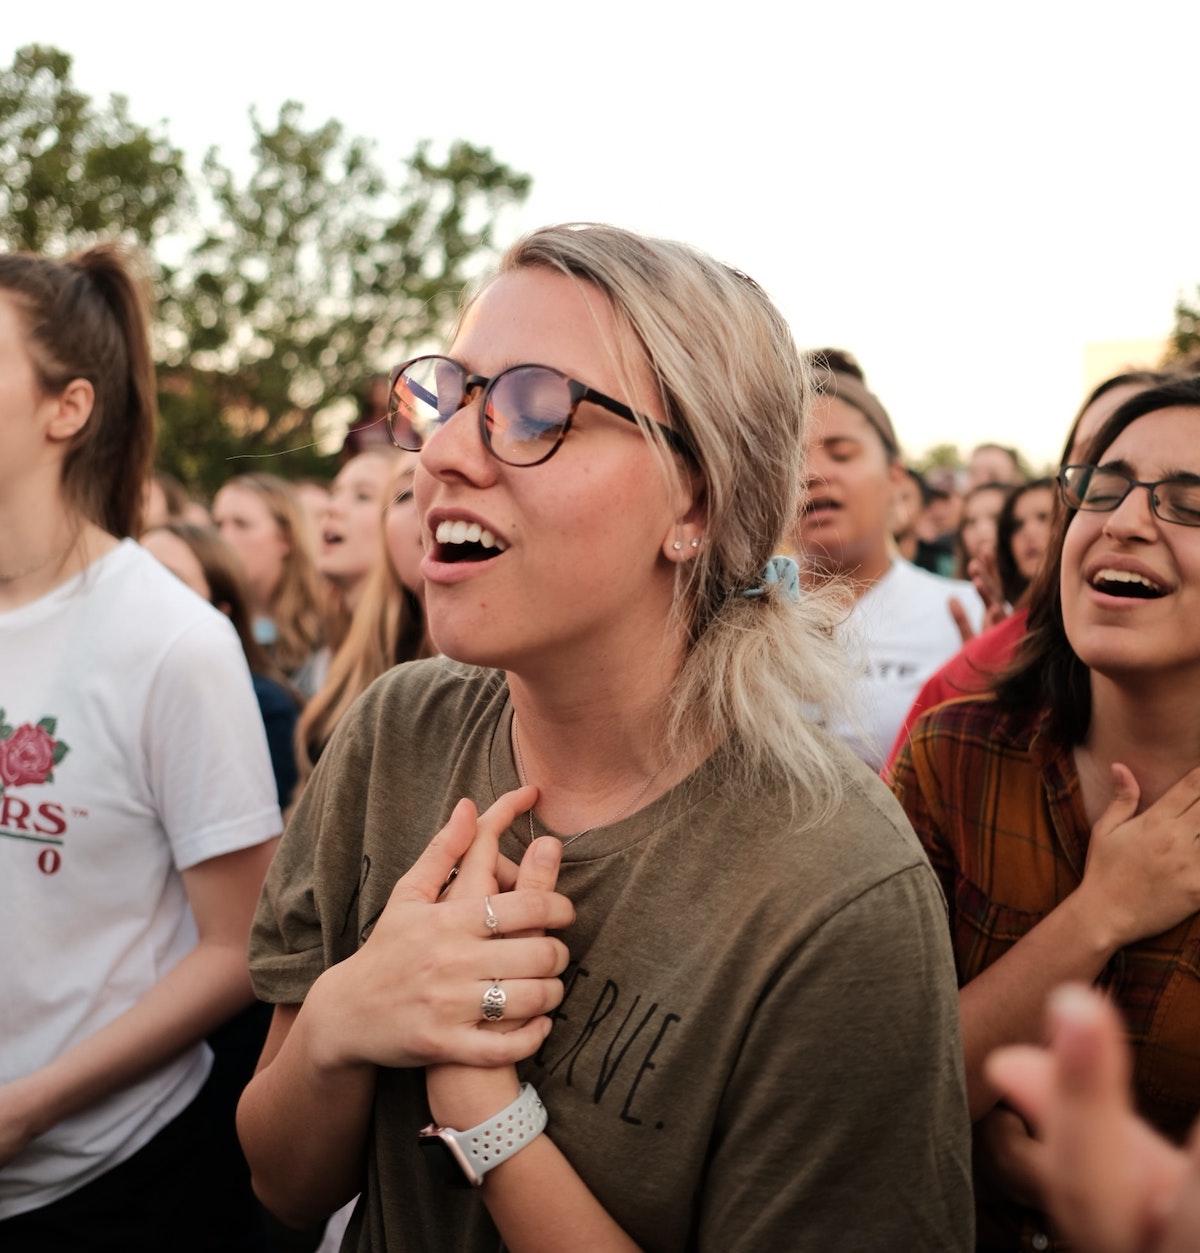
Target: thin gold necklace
pixel 11 576
pixel 570 839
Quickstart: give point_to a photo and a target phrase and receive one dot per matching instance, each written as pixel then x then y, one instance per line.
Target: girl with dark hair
pixel 137 811
pixel 1022 537
pixel 976 666
pixel 1061 812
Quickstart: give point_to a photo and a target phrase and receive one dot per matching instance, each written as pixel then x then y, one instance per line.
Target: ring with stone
pixel 494 1001
pixel 491 921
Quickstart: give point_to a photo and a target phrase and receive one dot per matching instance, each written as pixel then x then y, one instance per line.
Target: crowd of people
pixel 674 819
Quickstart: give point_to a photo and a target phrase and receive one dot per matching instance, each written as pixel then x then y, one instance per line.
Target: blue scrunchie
pixel 780 573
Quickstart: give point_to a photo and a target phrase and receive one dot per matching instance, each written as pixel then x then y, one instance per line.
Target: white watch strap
pixel 505 1133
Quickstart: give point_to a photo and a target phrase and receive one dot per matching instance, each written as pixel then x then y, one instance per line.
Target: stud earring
pixel 695 543
pixel 677 545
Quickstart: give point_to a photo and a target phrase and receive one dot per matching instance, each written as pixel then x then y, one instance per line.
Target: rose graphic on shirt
pixel 29 753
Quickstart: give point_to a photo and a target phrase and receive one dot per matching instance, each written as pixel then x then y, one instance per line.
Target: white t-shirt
pixel 131 748
pixel 901 631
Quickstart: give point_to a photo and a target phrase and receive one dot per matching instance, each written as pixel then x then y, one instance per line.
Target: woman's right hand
pixel 1142 875
pixel 411 995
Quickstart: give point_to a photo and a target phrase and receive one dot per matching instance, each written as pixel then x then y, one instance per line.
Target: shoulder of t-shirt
pixel 864 841
pixel 437 695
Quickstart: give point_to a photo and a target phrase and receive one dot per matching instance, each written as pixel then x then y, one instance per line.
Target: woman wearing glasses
pixel 690 985
pixel 1061 815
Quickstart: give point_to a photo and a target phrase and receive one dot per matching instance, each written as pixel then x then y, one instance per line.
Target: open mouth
pixel 1127 584
pixel 819 504
pixel 466 541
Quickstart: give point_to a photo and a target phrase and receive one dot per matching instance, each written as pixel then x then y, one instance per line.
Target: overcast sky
pixel 964 196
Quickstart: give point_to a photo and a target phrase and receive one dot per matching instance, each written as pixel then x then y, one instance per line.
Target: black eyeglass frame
pixel 577 391
pixel 1074 499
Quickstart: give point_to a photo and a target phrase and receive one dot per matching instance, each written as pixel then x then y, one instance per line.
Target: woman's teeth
pixel 460 532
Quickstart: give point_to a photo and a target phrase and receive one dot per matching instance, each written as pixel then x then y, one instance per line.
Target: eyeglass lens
pixel 526 408
pixel 1102 490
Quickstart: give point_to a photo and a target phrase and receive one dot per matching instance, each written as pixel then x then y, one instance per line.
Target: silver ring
pixel 494 1001
pixel 491 921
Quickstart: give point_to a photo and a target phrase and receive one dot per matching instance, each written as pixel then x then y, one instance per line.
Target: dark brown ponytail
pixel 88 317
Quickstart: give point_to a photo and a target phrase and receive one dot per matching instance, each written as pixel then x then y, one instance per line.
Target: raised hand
pixel 1112 1184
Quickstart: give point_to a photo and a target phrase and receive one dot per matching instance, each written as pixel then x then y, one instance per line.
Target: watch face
pixel 446 1161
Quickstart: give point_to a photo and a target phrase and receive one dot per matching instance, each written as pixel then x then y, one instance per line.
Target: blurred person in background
pixel 899 623
pixel 388 624
pixel 261 518
pixel 995 463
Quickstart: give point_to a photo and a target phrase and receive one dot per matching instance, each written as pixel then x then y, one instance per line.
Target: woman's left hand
pixel 463 1096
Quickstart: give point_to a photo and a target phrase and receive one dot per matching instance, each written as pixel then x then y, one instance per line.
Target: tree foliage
pixel 1185 337
pixel 72 172
pixel 298 283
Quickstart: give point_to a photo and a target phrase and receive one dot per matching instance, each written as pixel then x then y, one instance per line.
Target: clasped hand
pixel 412 995
pixel 1142 875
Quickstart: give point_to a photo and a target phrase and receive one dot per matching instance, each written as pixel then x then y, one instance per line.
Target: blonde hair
pixel 297 604
pixel 387 627
pixel 338 614
pixel 758 672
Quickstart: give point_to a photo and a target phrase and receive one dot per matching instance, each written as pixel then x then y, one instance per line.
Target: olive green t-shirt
pixel 758 1048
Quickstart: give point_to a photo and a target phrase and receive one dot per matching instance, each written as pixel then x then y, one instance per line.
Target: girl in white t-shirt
pixel 137 806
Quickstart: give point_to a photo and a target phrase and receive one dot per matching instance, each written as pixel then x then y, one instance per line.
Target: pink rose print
pixel 28 756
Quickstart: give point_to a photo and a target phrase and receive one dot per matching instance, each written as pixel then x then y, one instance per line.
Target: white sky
pixel 964 196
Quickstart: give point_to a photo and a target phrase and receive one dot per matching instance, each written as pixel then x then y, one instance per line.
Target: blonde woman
pixel 388 625
pixel 261 518
pixel 714 1005
pixel 349 542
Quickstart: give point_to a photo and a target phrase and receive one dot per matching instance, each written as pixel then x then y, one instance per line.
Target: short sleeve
pixel 205 749
pixel 873 1151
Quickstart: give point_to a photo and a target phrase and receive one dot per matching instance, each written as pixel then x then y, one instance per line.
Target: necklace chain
pixel 595 826
pixel 11 576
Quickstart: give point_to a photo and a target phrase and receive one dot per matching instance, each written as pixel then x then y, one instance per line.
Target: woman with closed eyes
pixel 587 912
pixel 1061 814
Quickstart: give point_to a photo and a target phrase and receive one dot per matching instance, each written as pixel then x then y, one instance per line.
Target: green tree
pixel 940 457
pixel 1185 337
pixel 314 275
pixel 72 171
pixel 296 286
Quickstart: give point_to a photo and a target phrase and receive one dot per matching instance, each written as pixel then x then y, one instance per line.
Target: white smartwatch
pixel 464 1157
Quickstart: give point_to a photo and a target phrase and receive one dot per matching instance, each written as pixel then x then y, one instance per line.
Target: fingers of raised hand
pixel 427 878
pixel 961 619
pixel 478 871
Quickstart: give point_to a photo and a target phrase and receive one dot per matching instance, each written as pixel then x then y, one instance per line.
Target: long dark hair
pixel 1047 672
pixel 1013 583
pixel 87 317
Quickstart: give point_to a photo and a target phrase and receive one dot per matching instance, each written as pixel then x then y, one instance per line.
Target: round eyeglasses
pixel 525 411
pixel 1100 489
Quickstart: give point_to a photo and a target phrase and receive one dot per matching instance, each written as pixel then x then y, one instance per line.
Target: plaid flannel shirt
pixel 997 805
